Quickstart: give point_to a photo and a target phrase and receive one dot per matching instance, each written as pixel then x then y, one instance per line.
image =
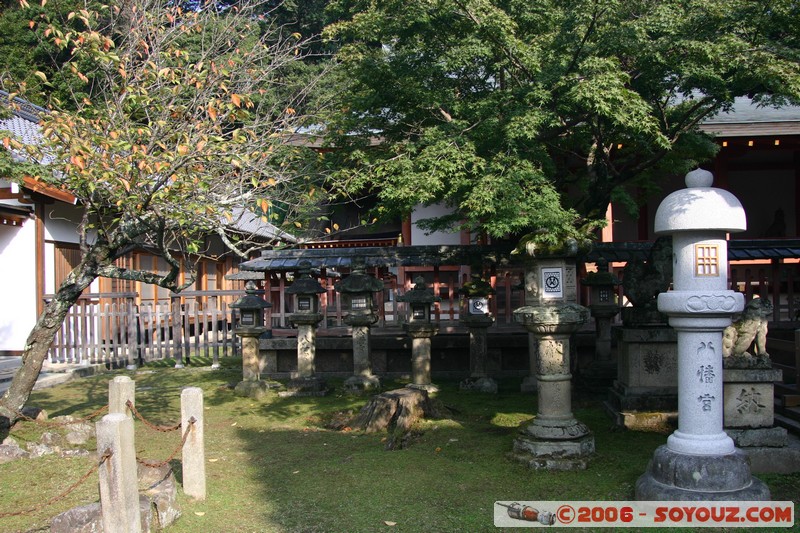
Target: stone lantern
pixel 603 307
pixel 555 440
pixel 421 330
pixel 700 461
pixel 306 316
pixel 250 328
pixel 357 291
pixel 475 315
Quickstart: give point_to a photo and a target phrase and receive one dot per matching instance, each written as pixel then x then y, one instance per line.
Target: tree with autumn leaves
pixel 178 122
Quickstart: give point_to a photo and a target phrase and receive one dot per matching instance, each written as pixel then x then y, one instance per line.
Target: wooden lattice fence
pixel 112 329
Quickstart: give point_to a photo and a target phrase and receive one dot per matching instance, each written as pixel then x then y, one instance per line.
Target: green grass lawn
pixel 273 466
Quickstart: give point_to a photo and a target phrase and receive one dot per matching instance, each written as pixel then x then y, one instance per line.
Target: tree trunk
pixel 395 411
pixel 39 342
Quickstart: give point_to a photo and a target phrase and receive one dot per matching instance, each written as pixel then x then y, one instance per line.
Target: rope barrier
pixel 51 423
pixel 64 494
pixel 174 452
pixel 162 429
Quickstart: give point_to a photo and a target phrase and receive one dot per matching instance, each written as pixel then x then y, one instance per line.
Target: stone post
pixel 121 389
pixel 194 455
pixel 421 356
pixel 306 346
pixel 421 330
pixel 475 315
pixel 251 367
pixel 700 461
pixel 119 486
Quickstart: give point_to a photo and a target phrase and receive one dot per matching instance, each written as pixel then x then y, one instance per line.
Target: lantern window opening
pixel 706 260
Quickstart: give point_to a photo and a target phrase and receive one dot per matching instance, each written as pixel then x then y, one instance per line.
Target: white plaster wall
pixel 61 223
pixel 420 238
pixel 17 285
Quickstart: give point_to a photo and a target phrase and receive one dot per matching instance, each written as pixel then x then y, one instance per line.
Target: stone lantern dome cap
pixel 251 300
pixel 700 207
pixel 359 280
pixel 419 293
pixel 477 287
pixel 304 283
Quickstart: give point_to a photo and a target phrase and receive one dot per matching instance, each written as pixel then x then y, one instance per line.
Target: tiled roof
pixel 24 119
pixel 749 119
pixel 245 221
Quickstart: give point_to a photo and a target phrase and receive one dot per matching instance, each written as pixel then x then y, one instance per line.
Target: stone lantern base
pixel 429 387
pixel 256 389
pixel 362 384
pixel 306 386
pixel 673 476
pixel 480 384
pixel 564 445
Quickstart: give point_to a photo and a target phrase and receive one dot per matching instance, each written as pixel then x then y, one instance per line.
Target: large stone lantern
pixel 555 440
pixel 700 461
pixel 250 328
pixel 306 290
pixel 357 291
pixel 421 330
pixel 474 314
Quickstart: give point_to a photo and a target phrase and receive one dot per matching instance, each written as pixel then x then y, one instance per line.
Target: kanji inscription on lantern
pixel 552 282
pixel 706 259
pixel 706 374
pixel 706 349
pixel 749 401
pixel 705 400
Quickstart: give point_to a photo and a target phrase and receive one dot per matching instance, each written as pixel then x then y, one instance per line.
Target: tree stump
pixel 395 411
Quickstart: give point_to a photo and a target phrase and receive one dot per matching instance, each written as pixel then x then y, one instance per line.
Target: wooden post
pixel 133 341
pixel 119 488
pixel 194 455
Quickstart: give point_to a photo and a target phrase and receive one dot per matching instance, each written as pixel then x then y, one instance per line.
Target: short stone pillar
pixel 119 488
pixel 603 307
pixel 121 390
pixel 194 452
pixel 474 314
pixel 357 291
pixel 250 329
pixel 700 461
pixel 421 330
pixel 555 440
pixel 306 316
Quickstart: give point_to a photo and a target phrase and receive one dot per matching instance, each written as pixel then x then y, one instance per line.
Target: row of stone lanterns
pixel 357 292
